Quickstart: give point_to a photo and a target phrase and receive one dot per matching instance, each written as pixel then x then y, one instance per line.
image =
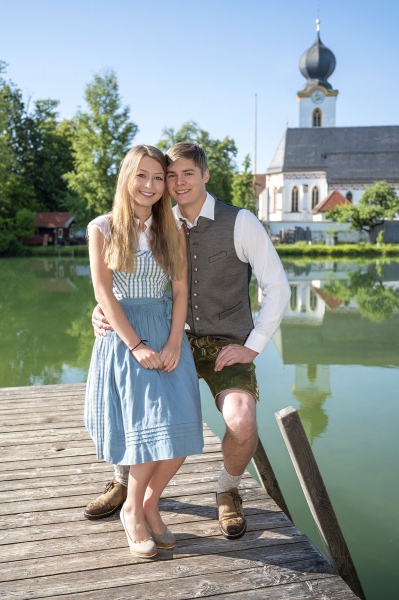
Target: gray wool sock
pixel 121 474
pixel 227 481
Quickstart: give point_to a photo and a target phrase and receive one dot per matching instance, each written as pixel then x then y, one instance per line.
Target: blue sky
pixel 204 61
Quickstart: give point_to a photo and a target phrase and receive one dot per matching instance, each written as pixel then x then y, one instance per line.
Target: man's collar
pixel 207 211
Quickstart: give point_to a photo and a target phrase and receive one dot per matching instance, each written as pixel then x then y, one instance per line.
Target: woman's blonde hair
pixel 164 237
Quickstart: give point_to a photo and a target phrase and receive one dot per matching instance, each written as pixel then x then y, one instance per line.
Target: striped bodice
pixel 148 281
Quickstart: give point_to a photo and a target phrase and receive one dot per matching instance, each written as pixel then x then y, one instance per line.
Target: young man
pixel 224 245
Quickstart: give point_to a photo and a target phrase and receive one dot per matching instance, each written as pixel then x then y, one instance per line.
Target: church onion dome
pixel 317 64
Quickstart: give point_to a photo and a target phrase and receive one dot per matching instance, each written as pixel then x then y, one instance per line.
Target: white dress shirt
pixel 253 246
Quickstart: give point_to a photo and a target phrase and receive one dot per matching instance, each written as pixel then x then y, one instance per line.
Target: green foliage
pixel 24 223
pixel 100 138
pixel 380 237
pixel 220 153
pixel 374 300
pixel 13 230
pixel 242 188
pixel 378 204
pixel 34 154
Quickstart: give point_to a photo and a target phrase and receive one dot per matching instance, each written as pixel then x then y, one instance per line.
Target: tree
pixel 242 188
pixel 47 156
pixel 100 139
pixel 220 154
pixel 379 203
pixel 15 191
pixel 375 300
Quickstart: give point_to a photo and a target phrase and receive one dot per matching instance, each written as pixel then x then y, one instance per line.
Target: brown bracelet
pixel 134 347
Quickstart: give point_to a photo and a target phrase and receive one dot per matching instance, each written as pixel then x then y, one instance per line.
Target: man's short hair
pixel 190 150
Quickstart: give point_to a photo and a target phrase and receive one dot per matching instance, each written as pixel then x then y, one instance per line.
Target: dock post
pixel 268 479
pixel 317 497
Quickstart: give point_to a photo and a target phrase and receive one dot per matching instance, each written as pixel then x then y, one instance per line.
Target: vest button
pixel 195 281
pixel 197 318
pixel 195 295
pixel 196 306
pixel 195 256
pixel 195 269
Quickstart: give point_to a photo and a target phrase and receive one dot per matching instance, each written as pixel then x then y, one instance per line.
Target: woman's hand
pixel 147 357
pixel 170 356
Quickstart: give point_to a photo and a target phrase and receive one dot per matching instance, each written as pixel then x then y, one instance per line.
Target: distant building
pixel 318 158
pixel 52 228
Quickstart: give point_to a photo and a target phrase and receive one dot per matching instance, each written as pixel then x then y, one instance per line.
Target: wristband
pixel 140 342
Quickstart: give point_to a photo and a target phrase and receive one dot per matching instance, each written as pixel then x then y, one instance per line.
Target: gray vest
pixel 219 304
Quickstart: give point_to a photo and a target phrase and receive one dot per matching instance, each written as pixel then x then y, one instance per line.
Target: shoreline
pixel 299 250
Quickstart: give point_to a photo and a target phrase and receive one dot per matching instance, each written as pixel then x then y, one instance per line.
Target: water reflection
pixel 339 314
pixel 44 306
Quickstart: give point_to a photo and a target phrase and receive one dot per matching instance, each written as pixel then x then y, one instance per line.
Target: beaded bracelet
pixel 140 342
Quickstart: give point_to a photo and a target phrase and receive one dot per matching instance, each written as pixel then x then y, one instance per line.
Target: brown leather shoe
pixel 231 514
pixel 111 499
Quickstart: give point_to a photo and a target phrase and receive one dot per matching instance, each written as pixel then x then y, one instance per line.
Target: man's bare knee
pixel 239 412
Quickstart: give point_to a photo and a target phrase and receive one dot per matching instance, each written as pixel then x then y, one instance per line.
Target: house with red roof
pixel 52 229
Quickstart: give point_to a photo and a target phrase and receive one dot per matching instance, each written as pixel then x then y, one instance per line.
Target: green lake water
pixel 335 359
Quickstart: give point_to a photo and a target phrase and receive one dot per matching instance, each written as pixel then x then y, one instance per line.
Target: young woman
pixel 142 400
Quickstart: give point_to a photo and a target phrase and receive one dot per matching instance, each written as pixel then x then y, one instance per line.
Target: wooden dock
pixel 49 473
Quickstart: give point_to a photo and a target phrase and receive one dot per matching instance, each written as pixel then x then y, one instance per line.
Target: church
pixel 317 165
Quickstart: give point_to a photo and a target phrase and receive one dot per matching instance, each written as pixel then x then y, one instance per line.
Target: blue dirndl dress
pixel 133 414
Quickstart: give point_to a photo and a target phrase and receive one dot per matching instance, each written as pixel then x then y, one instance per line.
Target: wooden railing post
pixel 267 477
pixel 317 497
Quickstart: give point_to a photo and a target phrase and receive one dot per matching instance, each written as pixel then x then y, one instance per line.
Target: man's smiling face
pixel 186 184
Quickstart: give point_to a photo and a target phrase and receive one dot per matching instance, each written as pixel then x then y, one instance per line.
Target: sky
pixel 204 61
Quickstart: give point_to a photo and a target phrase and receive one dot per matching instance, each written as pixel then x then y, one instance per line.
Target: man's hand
pixel 100 323
pixel 233 354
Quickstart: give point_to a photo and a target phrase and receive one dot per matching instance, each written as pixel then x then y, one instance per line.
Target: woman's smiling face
pixel 148 183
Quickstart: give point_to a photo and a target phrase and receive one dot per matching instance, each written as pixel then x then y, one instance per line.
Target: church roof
pixel 346 154
pixel 334 198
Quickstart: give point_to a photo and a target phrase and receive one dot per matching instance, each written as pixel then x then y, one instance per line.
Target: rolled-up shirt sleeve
pixel 253 245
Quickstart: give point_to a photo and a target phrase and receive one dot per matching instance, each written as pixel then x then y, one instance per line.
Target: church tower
pixel 317 99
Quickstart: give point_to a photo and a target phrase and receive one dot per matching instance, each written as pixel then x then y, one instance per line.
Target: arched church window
pixel 294 199
pixel 274 201
pixel 294 297
pixel 317 118
pixel 315 196
pixel 349 196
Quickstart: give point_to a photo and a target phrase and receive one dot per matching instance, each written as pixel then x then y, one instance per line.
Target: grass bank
pixel 341 250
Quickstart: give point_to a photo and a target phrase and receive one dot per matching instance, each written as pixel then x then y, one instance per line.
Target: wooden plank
pixel 54 498
pixel 29 533
pixel 51 487
pixel 267 477
pixel 49 473
pixel 199 504
pixel 74 458
pixel 329 588
pixel 71 448
pixel 92 539
pixel 18 479
pixel 66 434
pixel 317 497
pixel 112 550
pixel 201 586
pixel 300 563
